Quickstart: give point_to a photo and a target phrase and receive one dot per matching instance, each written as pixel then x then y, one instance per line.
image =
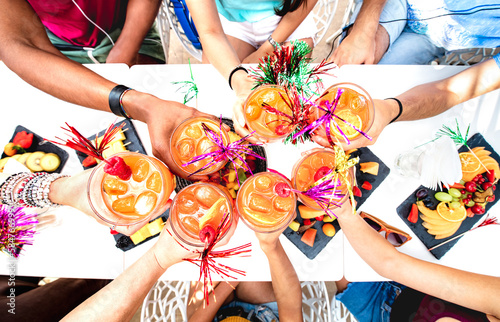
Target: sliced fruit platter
pixel 33 151
pixel 125 139
pixel 312 230
pixel 435 216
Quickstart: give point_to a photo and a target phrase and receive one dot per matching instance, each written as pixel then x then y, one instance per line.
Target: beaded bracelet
pixel 28 189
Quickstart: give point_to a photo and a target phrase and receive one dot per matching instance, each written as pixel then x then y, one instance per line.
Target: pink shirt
pixel 67 22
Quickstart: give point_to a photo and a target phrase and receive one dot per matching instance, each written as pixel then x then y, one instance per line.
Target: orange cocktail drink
pixel 265 202
pixel 190 140
pixel 314 166
pixel 355 106
pixel 268 125
pixel 198 205
pixel 126 202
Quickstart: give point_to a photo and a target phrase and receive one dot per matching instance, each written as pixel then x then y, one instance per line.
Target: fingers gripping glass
pixel 393 235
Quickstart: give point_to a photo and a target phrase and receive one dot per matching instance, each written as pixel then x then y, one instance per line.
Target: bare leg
pixel 255 292
pixel 241 48
pixel 196 300
pixel 341 285
pixel 145 60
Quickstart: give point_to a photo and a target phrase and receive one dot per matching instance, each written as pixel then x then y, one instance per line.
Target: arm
pixel 286 285
pixel 285 28
pixel 360 44
pixel 430 99
pixel 138 21
pixel 26 50
pixel 475 291
pixel 120 299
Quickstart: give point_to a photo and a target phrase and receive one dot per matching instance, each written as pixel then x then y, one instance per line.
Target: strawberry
pixel 117 167
pixel 366 185
pixel 307 222
pixel 320 218
pixel 413 216
pixel 356 191
pixel 321 172
pixel 491 175
pixel 207 235
pixel 89 161
pixel 282 189
pixel 23 139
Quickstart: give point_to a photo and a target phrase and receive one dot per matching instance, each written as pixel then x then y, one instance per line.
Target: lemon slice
pixel 469 162
pixel 452 215
pixel 352 119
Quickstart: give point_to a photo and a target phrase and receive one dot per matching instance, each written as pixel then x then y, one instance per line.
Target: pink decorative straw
pixel 486 222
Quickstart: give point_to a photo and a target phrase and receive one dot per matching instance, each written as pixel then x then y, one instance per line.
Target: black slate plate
pixel 321 240
pixel 131 137
pixel 124 242
pixel 366 155
pixel 260 165
pixel 429 241
pixel 40 145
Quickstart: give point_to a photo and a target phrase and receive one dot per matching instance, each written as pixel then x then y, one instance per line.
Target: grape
pixel 470 204
pixel 455 199
pixel 454 192
pixel 455 205
pixel 421 193
pixel 443 196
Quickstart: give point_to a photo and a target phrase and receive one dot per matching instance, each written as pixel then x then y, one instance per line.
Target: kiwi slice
pixel 33 161
pixel 16 156
pixel 23 157
pixel 50 162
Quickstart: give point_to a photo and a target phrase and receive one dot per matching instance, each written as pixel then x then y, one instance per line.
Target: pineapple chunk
pixel 119 136
pixel 155 227
pixel 233 137
pixel 294 225
pixel 113 149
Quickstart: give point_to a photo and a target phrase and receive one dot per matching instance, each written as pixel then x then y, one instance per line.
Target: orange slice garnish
pixel 469 162
pixel 213 216
pixel 452 215
pixel 348 130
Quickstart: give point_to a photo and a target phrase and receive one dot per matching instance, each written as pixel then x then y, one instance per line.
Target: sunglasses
pixel 393 235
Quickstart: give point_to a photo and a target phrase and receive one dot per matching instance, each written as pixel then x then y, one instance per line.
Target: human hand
pixel 254 58
pixel 242 88
pixel 269 241
pixel 168 251
pixel 385 111
pixel 72 191
pixel 356 48
pixel 117 55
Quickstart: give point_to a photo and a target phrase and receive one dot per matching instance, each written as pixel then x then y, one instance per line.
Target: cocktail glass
pixel 355 106
pixel 191 204
pixel 313 166
pixel 189 140
pixel 266 203
pixel 128 202
pixel 267 125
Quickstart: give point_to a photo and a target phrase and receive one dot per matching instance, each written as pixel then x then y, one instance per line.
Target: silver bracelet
pixel 273 42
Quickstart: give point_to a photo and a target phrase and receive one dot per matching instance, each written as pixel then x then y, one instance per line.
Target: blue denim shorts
pixel 265 312
pixel 370 301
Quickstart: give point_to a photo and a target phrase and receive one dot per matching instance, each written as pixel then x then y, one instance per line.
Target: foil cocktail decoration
pixel 16 229
pixel 220 152
pixel 328 119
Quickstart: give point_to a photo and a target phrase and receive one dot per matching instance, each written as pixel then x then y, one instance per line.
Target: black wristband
pixel 400 108
pixel 115 100
pixel 237 68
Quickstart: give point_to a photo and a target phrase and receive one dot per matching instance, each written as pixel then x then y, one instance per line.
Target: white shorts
pixel 256 33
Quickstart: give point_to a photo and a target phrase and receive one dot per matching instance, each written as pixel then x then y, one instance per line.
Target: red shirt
pixel 67 22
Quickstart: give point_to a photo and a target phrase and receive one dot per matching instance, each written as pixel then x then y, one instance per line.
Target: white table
pixel 477 251
pixel 79 247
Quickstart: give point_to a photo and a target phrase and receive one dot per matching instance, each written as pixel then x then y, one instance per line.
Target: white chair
pixel 167 301
pixel 340 313
pixel 163 30
pixel 467 57
pixel 323 13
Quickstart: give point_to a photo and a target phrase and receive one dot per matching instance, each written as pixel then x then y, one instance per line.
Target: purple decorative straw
pixel 231 152
pixel 16 229
pixel 328 118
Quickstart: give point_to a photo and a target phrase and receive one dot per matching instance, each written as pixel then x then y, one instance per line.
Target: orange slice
pixel 469 162
pixel 213 216
pixel 352 119
pixel 453 215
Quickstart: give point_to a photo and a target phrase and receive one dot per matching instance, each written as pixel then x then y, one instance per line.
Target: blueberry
pixel 428 203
